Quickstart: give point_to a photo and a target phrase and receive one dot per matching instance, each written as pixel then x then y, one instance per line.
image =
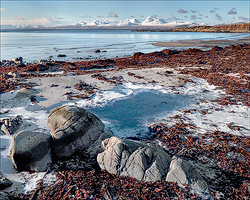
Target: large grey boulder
pixel 72 129
pixel 136 159
pixel 30 151
pixel 4 182
pixel 11 125
pixel 184 172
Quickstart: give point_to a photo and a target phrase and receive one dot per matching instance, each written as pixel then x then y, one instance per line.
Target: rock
pixel 183 172
pixel 30 151
pixel 14 75
pixel 11 125
pixel 136 159
pixel 72 129
pixel 4 182
pixel 96 147
pixel 98 51
pixel 4 195
pixel 17 59
pixel 61 55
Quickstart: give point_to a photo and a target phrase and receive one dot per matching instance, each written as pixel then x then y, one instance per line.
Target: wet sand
pixel 202 43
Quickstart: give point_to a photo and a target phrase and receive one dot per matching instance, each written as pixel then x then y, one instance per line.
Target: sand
pixel 202 43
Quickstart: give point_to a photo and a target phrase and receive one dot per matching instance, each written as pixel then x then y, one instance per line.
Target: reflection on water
pixel 41 44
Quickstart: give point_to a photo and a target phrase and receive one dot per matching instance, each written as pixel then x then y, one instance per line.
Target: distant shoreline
pixel 202 43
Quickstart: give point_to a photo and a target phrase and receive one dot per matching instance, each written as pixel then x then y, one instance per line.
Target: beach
pixel 194 103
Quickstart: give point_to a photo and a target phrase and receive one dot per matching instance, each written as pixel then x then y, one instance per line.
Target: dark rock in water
pixel 136 159
pixel 72 129
pixel 18 59
pixel 30 151
pixel 12 125
pixel 98 51
pixel 32 98
pixel 61 55
pixel 4 183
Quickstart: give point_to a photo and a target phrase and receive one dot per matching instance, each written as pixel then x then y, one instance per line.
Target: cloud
pixel 20 18
pixel 86 16
pixel 173 18
pixel 142 16
pixel 100 16
pixel 58 18
pixel 200 14
pixel 206 16
pixel 193 11
pixel 182 11
pixel 218 17
pixel 215 8
pixel 212 11
pixel 241 19
pixel 186 16
pixel 193 17
pixel 155 16
pixel 2 8
pixel 132 16
pixel 232 11
pixel 112 15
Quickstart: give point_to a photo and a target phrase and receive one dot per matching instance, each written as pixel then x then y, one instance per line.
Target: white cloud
pixel 241 19
pixel 20 18
pixel 112 15
pixel 2 8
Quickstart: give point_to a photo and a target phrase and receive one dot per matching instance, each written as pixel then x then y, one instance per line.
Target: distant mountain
pixel 153 21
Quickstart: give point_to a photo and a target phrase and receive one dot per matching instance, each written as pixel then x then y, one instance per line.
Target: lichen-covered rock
pixel 136 159
pixel 4 182
pixel 30 151
pixel 183 172
pixel 72 129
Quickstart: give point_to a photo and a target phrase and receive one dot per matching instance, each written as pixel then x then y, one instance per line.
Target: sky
pixel 51 13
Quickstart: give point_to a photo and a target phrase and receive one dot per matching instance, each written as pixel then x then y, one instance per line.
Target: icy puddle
pixel 127 111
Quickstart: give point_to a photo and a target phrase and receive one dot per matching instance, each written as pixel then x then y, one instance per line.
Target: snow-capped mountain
pixel 29 26
pixel 153 21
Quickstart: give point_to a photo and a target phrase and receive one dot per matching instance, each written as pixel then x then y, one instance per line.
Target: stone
pixel 4 195
pixel 146 162
pixel 17 59
pixel 14 75
pixel 4 182
pixel 12 125
pixel 184 172
pixel 98 51
pixel 61 55
pixel 73 129
pixel 30 151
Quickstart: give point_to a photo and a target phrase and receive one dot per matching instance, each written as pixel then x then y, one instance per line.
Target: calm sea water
pixel 34 45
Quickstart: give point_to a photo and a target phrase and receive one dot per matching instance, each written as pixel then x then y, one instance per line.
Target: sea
pixel 35 45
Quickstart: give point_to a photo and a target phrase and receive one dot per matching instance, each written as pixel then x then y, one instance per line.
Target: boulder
pixel 184 172
pixel 14 75
pixel 146 162
pixel 12 125
pixel 4 182
pixel 73 129
pixel 30 151
pixel 4 195
pixel 61 55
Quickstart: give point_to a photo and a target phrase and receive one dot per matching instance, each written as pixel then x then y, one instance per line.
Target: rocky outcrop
pixel 4 195
pixel 30 151
pixel 73 129
pixel 4 182
pixel 136 159
pixel 183 172
pixel 11 125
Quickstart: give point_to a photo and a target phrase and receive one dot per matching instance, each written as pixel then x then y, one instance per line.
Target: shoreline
pixel 224 69
pixel 202 43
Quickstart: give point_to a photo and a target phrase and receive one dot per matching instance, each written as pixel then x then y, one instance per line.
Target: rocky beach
pixel 171 124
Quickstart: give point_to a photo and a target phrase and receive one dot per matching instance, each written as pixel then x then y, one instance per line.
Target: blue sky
pixel 49 13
